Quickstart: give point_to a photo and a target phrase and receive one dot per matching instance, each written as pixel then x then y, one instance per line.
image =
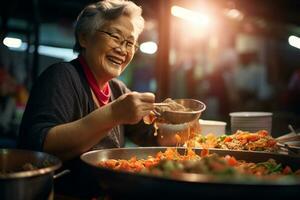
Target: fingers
pixel 143 96
pixel 147 97
pixel 132 107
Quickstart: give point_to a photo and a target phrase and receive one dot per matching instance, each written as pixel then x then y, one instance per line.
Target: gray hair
pixel 93 16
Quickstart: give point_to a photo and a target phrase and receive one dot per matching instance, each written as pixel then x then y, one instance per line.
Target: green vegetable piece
pixel 168 166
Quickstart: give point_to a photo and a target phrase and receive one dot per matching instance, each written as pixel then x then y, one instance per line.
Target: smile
pixel 115 60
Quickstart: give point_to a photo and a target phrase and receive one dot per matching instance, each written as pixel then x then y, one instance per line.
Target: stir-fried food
pixel 136 165
pixel 172 162
pixel 224 167
pixel 241 140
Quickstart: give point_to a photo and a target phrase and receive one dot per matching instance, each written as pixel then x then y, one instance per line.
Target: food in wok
pixel 137 165
pixel 241 140
pixel 172 163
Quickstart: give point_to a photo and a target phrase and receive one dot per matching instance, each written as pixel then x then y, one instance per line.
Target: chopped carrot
pixel 287 170
pixel 231 160
pixel 178 138
pixel 263 133
pixel 228 139
pixel 204 152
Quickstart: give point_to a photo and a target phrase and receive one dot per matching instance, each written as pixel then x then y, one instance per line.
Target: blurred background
pixel 233 55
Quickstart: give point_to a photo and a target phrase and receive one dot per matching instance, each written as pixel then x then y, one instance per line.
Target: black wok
pixel 18 182
pixel 128 185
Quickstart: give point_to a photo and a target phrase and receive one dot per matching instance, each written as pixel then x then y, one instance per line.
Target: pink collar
pixel 101 95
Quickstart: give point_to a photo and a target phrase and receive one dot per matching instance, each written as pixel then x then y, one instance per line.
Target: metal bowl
pixel 179 117
pixel 19 183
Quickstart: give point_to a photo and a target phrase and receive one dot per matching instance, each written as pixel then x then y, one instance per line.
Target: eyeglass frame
pixel 121 40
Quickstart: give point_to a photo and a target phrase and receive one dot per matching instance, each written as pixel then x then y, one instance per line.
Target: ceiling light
pixel 294 41
pixel 12 42
pixel 189 15
pixel 148 47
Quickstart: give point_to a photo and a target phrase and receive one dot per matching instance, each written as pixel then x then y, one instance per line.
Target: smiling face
pixel 106 59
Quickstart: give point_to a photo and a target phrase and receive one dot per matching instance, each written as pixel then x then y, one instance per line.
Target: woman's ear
pixel 82 38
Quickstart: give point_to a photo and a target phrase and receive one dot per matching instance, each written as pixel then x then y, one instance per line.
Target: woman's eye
pixel 116 37
pixel 130 44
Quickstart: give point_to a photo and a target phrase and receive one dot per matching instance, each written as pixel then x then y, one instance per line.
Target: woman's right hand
pixel 131 107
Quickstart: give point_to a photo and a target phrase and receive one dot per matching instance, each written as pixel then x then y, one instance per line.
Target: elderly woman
pixel 79 105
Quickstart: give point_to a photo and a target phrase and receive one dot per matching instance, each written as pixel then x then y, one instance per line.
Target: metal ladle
pixel 293 136
pixel 179 117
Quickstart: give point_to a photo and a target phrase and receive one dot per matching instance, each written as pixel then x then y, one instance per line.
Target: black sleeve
pixel 53 100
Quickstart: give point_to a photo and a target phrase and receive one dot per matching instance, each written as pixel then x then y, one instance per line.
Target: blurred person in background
pixel 78 106
pixel 251 83
pixel 7 102
pixel 294 92
pixel 8 90
pixel 13 98
pixel 221 87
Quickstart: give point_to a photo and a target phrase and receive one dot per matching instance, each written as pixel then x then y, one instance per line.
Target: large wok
pixel 127 185
pixel 18 182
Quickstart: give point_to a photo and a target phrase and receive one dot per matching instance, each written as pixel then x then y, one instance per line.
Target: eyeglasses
pixel 118 41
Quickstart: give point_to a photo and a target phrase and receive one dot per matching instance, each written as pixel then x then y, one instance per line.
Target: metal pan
pixel 17 183
pixel 122 185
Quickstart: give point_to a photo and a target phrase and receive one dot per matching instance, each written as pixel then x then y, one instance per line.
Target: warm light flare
pixel 294 41
pixel 148 47
pixel 189 15
pixel 234 14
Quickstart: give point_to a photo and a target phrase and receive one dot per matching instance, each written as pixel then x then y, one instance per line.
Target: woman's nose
pixel 121 49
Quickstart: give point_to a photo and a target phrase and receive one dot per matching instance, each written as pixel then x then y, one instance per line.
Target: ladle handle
pixel 62 173
pixel 160 104
pixel 292 129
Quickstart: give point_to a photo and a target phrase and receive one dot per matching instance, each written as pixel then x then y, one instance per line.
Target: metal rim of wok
pixel 89 159
pixel 52 163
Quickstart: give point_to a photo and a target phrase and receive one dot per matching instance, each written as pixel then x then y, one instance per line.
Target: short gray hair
pixel 93 16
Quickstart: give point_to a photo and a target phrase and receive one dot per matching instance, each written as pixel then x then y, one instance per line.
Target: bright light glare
pixel 12 42
pixel 63 53
pixel 194 17
pixel 234 14
pixel 16 44
pixel 148 47
pixel 294 41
